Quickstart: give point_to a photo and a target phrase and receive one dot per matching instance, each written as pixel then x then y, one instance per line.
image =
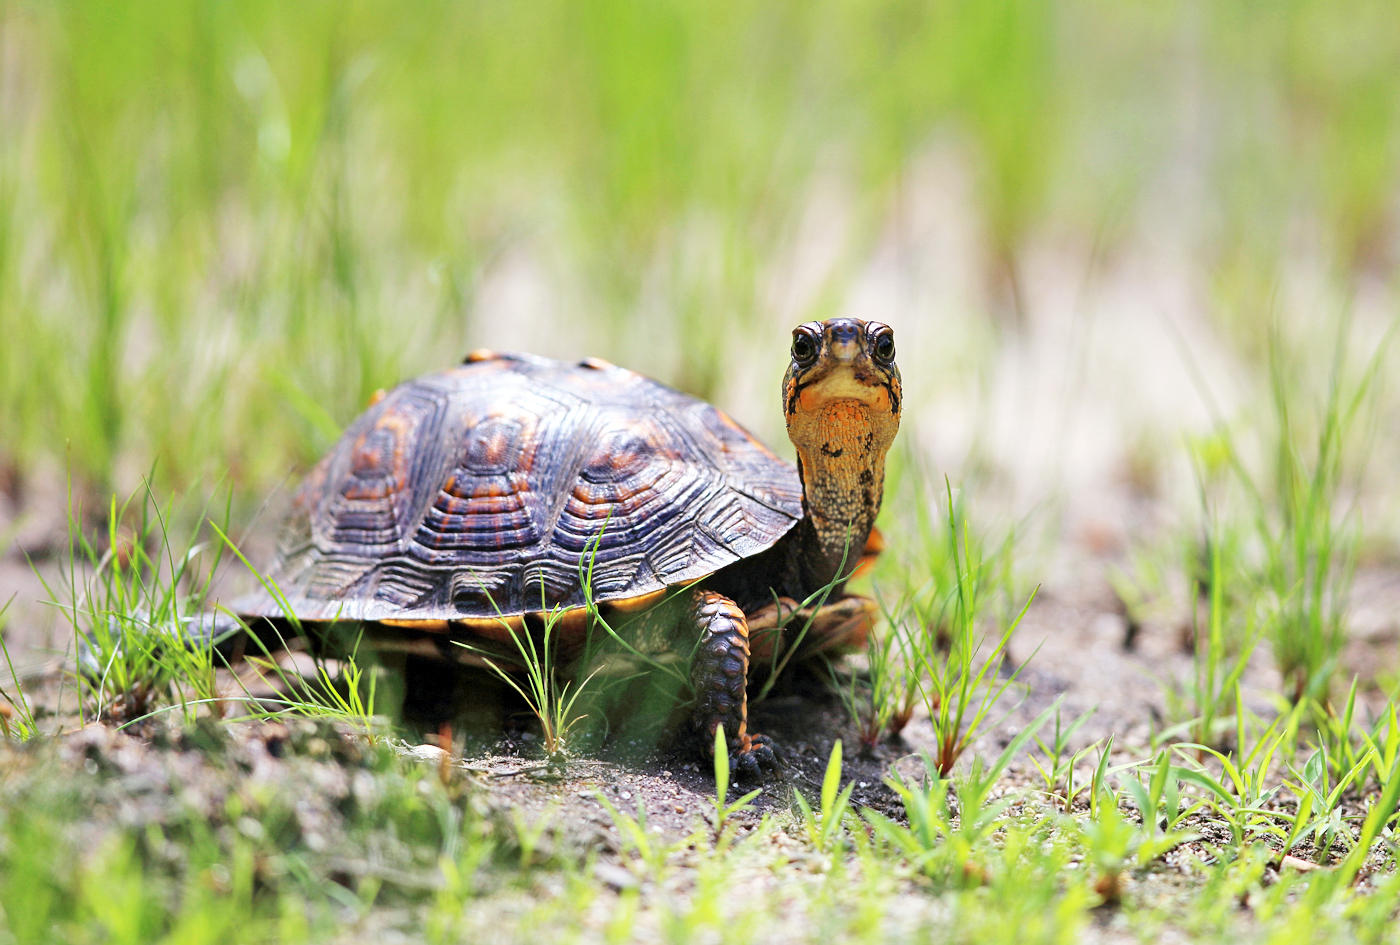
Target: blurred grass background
pixel 1128 248
pixel 223 225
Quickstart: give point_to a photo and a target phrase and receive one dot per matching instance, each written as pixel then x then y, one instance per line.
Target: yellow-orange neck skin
pixel 841 443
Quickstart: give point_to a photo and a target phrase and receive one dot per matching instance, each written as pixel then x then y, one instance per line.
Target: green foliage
pixel 1058 769
pixel 334 189
pixel 1383 742
pixel 554 704
pixel 928 646
pixel 16 713
pixel 344 690
pixel 881 700
pixel 882 697
pixel 1381 816
pixel 962 690
pixel 239 858
pixel 950 820
pixel 1310 557
pixel 1319 815
pixel 1160 805
pixel 292 186
pixel 897 658
pixel 1219 657
pixel 647 855
pixel 1297 512
pixel 1242 793
pixel 127 597
pixel 824 825
pixel 223 226
pixel 138 609
pixel 1031 890
pixel 1342 740
pixel 724 809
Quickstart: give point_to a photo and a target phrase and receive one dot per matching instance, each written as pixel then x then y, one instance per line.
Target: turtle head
pixel 841 398
pixel 842 361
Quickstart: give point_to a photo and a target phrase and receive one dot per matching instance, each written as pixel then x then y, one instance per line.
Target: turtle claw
pixel 755 756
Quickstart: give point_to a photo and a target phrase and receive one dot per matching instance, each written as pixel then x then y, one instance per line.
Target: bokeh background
pixel 1094 225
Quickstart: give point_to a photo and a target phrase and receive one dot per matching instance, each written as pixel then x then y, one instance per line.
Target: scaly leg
pixel 720 676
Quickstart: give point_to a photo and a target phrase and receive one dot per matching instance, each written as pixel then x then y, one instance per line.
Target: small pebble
pixel 426 753
pixel 614 876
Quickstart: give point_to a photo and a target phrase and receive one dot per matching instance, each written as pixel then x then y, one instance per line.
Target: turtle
pixel 476 502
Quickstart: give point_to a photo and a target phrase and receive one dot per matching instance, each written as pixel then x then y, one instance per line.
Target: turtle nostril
pixel 843 338
pixel 843 332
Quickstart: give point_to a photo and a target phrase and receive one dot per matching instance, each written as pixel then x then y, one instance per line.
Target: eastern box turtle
pixel 467 505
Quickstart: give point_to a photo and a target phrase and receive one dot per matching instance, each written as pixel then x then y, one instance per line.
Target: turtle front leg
pixel 720 676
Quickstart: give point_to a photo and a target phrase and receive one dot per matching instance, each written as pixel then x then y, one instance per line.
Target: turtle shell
pixel 490 490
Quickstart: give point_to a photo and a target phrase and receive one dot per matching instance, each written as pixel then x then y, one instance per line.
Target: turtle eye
pixel 804 347
pixel 884 345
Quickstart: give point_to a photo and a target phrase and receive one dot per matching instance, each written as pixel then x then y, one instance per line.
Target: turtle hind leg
pixel 719 674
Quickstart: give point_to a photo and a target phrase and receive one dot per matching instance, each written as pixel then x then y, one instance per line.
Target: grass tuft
pixel 724 808
pixel 16 712
pixel 553 704
pixel 961 692
pixel 127 596
pixel 825 824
